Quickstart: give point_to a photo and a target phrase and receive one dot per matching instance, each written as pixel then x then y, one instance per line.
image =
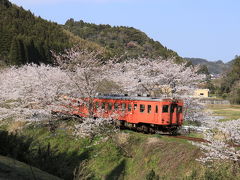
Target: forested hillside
pixel 121 41
pixel 25 38
pixel 214 67
pixel 230 85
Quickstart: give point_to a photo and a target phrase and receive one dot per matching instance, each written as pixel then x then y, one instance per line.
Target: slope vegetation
pixel 127 155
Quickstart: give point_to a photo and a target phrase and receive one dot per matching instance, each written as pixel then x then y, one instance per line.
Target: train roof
pixel 136 98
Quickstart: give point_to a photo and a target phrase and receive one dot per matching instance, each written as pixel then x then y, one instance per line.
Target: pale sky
pixel 193 28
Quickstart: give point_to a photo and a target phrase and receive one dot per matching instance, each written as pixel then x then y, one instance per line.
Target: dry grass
pixel 229 112
pixel 16 126
pixel 122 138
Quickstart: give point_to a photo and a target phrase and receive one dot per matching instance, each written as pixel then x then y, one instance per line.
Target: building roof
pixel 136 98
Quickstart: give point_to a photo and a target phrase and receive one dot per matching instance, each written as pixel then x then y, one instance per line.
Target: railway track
pixel 190 138
pixel 199 140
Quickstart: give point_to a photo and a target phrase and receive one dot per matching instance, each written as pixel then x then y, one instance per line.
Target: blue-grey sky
pixel 193 28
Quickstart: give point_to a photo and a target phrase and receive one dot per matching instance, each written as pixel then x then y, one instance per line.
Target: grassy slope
pixel 128 155
pixel 11 169
pixel 168 157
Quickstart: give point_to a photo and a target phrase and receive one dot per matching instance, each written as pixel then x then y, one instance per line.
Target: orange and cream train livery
pixel 145 114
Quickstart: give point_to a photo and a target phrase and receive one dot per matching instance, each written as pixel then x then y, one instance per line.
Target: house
pixel 201 93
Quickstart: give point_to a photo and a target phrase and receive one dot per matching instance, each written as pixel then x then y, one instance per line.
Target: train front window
pixel 173 107
pixel 165 109
pixel 142 107
pixel 179 110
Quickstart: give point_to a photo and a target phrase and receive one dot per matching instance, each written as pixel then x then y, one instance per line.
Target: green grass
pixel 196 135
pixel 60 153
pixel 138 156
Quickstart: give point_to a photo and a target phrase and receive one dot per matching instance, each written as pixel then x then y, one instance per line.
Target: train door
pixel 173 114
pixel 130 112
pixel 156 113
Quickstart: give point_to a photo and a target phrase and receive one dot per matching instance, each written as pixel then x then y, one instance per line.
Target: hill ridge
pixel 123 41
pixel 214 67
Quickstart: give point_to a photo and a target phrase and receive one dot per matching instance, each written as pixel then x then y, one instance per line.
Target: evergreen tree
pixel 26 38
pixel 17 54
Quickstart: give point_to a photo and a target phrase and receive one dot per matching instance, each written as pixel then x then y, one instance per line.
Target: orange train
pixel 141 113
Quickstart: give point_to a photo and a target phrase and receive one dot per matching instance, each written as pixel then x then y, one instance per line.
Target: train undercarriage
pixel 148 128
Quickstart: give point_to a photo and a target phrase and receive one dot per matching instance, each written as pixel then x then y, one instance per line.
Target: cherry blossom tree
pixel 86 71
pixel 154 75
pixel 223 142
pixel 195 112
pixel 78 75
pixel 30 88
pixel 35 91
pixel 89 73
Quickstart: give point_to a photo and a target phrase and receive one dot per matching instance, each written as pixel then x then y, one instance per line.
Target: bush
pixel 152 175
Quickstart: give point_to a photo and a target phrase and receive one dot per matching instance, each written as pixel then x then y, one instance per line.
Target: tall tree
pixel 17 52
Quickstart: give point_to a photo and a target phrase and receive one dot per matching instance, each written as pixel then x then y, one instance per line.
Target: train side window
pixel 142 107
pixel 156 109
pixel 116 106
pixel 110 106
pixel 165 109
pixel 149 108
pixel 103 105
pixel 179 110
pixel 129 107
pixel 96 105
pixel 124 106
pixel 135 106
pixel 90 106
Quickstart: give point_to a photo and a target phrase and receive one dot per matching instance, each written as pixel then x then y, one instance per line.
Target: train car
pixel 142 113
